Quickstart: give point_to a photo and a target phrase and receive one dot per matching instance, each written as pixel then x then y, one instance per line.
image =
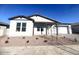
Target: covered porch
pixel 43 28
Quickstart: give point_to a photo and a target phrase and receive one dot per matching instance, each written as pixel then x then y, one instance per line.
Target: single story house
pixel 3 29
pixel 36 25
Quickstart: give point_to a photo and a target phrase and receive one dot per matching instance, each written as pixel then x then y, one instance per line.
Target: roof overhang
pixel 4 24
pixel 45 18
pixel 21 16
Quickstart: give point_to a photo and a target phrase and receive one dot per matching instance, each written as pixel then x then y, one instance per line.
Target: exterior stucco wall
pixel 28 32
pixel 2 30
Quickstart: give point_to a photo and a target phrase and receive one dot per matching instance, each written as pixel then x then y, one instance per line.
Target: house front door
pixel 40 31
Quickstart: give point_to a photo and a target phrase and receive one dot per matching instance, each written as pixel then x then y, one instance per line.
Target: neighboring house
pixel 3 28
pixel 75 28
pixel 37 25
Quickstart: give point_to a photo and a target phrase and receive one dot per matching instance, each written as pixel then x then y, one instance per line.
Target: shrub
pixel 8 38
pixel 23 37
pixel 45 40
pixel 75 39
pixel 64 37
pixel 7 41
pixel 27 41
pixel 37 38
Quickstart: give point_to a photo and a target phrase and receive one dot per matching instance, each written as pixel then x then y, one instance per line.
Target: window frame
pixel 18 28
pixel 23 27
pixel 40 29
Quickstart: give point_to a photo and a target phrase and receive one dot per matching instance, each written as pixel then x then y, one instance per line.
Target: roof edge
pixel 21 16
pixel 44 17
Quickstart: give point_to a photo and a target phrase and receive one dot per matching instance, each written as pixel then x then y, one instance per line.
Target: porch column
pixel 46 29
pixel 33 30
pixel 56 29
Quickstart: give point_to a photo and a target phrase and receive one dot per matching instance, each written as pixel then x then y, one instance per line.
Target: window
pixel 18 26
pixel 38 28
pixel 41 29
pixel 23 26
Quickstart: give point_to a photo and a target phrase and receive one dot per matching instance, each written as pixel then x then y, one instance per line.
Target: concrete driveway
pixel 41 50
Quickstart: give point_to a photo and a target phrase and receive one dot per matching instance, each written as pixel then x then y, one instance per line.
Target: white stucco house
pixel 3 29
pixel 36 25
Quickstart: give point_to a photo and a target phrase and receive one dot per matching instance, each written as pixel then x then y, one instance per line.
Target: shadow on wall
pixel 75 29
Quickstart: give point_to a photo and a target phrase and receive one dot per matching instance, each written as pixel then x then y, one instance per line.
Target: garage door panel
pixel 62 30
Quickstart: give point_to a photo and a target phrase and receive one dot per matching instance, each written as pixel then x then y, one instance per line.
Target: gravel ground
pixel 38 45
pixel 35 41
pixel 72 36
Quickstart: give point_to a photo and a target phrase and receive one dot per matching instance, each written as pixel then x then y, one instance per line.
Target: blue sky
pixel 67 13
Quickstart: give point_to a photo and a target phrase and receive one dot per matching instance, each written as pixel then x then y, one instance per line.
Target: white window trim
pixel 21 27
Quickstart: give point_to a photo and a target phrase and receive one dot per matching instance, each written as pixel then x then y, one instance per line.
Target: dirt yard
pixel 39 45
